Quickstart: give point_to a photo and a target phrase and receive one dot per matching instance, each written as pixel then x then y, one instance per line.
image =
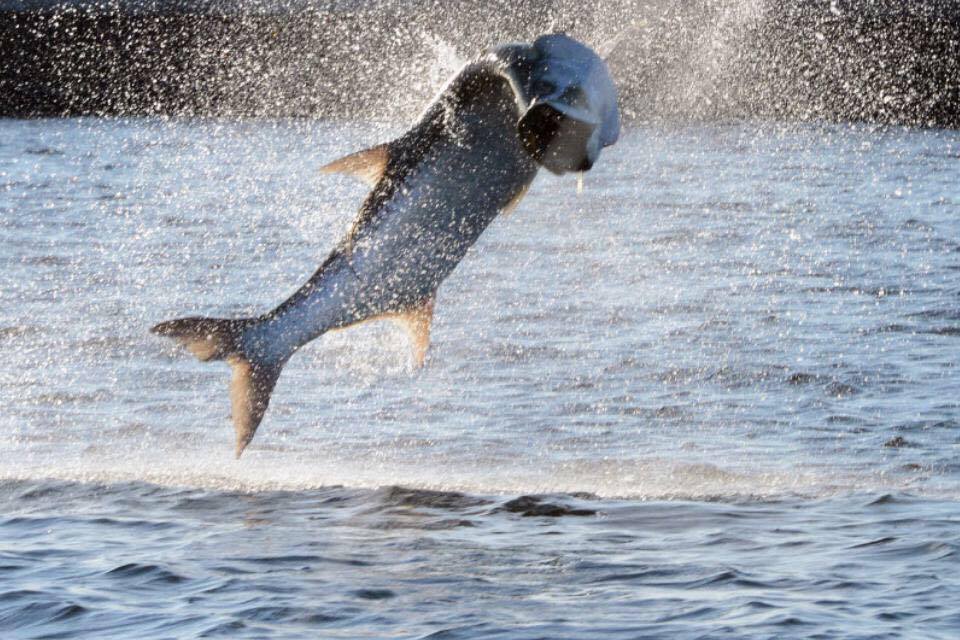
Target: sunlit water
pixel 726 372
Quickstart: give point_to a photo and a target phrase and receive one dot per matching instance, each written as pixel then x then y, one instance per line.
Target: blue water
pixel 715 395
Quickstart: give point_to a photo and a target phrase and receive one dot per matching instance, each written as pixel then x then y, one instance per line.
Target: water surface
pixel 715 395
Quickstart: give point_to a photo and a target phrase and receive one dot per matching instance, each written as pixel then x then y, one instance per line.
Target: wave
pixel 619 479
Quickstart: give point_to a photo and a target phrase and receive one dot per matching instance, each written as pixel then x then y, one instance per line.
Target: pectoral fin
pixel 416 322
pixel 510 206
pixel 368 165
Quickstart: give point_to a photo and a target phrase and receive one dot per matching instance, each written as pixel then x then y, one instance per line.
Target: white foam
pixel 269 470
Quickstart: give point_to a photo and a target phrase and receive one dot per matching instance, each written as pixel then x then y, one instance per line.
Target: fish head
pixel 572 111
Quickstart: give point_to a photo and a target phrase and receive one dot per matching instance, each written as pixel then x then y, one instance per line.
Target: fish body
pixel 471 156
pixel 442 186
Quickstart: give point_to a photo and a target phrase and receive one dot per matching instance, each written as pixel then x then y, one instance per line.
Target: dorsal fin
pixel 368 165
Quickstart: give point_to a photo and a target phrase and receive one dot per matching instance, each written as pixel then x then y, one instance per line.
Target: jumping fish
pixel 471 156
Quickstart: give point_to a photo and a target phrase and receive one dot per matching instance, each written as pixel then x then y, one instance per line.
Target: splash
pixel 623 479
pixel 718 59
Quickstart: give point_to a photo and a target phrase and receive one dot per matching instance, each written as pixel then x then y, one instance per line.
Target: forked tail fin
pixel 253 378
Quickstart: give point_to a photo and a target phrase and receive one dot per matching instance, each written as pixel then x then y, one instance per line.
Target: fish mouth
pixel 556 138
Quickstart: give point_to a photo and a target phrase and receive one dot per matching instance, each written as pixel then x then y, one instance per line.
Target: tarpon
pixel 471 156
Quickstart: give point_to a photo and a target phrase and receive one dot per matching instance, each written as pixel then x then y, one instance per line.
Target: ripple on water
pixel 145 575
pixel 728 354
pixel 718 561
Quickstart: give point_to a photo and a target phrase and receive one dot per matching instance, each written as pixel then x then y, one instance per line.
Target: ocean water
pixel 716 395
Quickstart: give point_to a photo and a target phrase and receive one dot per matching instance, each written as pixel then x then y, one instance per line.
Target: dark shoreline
pixel 787 60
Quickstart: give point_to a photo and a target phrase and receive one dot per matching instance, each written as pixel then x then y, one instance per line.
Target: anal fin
pixel 415 322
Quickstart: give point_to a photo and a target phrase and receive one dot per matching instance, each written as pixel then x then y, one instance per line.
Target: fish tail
pixel 253 377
